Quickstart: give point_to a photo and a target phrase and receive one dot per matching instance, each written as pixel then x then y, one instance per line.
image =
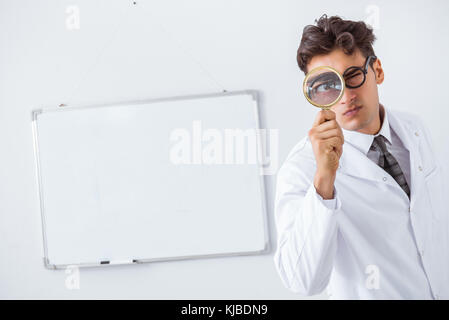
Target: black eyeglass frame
pixel 364 70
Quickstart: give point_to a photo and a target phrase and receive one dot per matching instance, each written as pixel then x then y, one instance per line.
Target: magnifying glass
pixel 323 87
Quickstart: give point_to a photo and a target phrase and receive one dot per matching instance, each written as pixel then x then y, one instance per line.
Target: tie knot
pixel 379 144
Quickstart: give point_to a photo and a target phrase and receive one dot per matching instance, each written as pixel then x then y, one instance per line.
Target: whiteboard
pixel 150 180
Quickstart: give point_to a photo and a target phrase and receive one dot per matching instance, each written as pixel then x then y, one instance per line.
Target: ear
pixel 378 71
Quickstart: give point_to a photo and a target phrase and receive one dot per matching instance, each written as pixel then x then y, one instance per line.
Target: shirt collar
pixel 363 141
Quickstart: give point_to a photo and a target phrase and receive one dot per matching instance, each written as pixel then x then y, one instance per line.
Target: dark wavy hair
pixel 331 33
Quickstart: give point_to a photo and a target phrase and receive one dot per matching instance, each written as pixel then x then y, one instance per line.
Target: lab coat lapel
pixel 355 163
pixel 406 132
pixel 412 138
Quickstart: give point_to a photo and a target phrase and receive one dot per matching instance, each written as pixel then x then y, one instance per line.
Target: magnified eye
pixel 323 86
pixel 326 86
pixel 324 82
pixel 325 92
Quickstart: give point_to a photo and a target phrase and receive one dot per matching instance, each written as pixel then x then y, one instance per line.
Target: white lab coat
pixel 374 243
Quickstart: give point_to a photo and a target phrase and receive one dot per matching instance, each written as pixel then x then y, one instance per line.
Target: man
pixel 359 202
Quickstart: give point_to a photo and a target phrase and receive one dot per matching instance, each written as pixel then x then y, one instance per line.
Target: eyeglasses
pixel 323 86
pixel 355 76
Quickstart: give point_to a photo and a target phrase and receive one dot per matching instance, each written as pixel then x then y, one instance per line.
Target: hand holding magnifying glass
pixel 323 87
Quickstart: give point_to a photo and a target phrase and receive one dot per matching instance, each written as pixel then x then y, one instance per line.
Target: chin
pixel 353 125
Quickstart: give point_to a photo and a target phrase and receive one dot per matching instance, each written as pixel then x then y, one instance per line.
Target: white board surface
pixel 115 185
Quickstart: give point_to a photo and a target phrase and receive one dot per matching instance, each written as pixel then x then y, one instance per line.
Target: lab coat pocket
pixel 434 186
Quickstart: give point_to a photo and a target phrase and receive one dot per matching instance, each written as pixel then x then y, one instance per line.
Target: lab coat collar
pixel 363 141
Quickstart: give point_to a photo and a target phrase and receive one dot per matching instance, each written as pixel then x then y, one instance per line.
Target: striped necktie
pixel 389 163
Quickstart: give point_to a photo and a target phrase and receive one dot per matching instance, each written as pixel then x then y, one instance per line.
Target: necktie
pixel 389 163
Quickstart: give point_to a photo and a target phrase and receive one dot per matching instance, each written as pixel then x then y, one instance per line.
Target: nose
pixel 348 97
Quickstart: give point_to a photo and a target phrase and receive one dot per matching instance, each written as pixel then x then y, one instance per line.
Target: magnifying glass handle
pixel 326 108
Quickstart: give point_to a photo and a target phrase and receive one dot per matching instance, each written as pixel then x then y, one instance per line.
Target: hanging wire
pixel 188 53
pixel 100 53
pixel 117 27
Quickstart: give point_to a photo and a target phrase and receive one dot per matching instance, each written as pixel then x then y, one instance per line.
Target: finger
pixel 335 142
pixel 328 134
pixel 339 148
pixel 328 125
pixel 323 116
pixel 328 114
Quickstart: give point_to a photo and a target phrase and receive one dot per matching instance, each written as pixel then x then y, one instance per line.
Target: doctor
pixel 361 203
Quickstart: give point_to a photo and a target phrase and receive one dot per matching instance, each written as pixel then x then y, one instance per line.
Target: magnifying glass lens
pixel 323 87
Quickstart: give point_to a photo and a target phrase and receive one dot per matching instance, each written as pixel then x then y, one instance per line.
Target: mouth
pixel 352 111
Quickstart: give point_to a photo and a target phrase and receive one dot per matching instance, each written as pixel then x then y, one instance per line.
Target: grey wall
pixel 165 48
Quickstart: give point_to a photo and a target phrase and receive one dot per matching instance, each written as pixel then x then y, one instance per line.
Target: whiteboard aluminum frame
pixel 47 262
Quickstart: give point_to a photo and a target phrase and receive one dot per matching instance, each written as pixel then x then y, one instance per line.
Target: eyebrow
pixel 322 77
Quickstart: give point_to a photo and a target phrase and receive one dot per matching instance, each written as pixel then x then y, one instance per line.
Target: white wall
pixel 166 48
